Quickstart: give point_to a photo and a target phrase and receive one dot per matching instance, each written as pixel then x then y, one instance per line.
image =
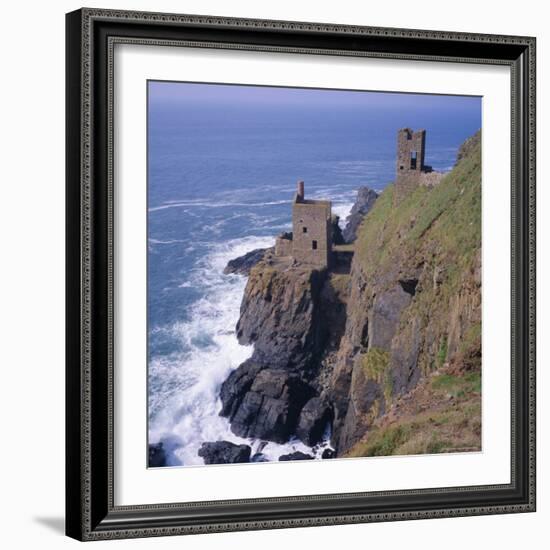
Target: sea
pixel 221 177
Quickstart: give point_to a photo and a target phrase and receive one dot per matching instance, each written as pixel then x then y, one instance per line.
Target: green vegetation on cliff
pixel 375 363
pixel 446 218
pixel 442 414
pixel 414 319
pixel 434 233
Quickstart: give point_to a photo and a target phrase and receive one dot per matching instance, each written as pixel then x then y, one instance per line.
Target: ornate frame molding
pixel 91 36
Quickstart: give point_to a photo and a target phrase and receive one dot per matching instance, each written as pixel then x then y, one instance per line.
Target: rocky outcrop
pixel 157 455
pixel 259 457
pixel 297 455
pixel 243 264
pixel 337 236
pixel 363 203
pixel 385 314
pixel 266 404
pixel 224 452
pixel 276 393
pixel 280 316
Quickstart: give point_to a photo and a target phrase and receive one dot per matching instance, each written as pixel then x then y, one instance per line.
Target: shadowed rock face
pixel 364 202
pixel 224 452
pixel 236 386
pixel 337 236
pixel 264 406
pixel 385 314
pixel 314 418
pixel 282 315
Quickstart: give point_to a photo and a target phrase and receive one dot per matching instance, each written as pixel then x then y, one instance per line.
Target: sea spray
pixel 184 386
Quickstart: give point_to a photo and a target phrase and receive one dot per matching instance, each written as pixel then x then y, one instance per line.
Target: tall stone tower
pixel 410 166
pixel 410 151
pixel 311 230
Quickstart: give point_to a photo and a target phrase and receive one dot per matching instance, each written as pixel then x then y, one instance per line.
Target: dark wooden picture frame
pixel 90 510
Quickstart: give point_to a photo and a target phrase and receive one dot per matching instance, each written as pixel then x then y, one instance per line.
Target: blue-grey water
pixel 220 182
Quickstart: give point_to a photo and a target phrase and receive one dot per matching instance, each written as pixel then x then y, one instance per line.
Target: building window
pixel 413 160
pixel 304 229
pixel 314 245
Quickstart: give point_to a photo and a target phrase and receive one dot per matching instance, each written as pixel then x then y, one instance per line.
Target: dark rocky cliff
pixel 283 314
pixel 348 348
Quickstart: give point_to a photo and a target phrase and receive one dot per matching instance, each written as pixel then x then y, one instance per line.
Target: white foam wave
pixel 209 204
pixel 342 210
pixel 184 387
pixel 170 241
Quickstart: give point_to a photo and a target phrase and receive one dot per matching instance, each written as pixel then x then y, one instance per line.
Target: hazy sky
pixel 222 94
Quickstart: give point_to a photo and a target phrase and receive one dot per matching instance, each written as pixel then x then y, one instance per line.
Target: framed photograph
pixel 300 274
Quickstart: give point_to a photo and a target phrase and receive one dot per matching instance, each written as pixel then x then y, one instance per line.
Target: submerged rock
pixel 298 455
pixel 328 453
pixel 363 203
pixel 157 455
pixel 243 264
pixel 224 452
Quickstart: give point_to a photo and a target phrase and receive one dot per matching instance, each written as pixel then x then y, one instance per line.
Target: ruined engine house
pixel 310 242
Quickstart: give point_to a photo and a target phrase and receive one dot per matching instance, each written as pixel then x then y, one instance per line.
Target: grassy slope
pixel 440 227
pixel 448 216
pixel 443 414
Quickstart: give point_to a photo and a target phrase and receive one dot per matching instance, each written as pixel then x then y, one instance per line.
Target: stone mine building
pixel 310 242
pixel 411 169
pixel 410 151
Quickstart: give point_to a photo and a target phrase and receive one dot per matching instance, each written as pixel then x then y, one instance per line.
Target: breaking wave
pixel 184 386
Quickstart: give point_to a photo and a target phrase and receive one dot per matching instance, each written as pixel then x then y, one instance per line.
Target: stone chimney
pixel 300 191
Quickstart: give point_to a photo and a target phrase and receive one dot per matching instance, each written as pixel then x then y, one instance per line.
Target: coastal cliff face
pixel 280 315
pixel 276 393
pixel 416 299
pixel 352 349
